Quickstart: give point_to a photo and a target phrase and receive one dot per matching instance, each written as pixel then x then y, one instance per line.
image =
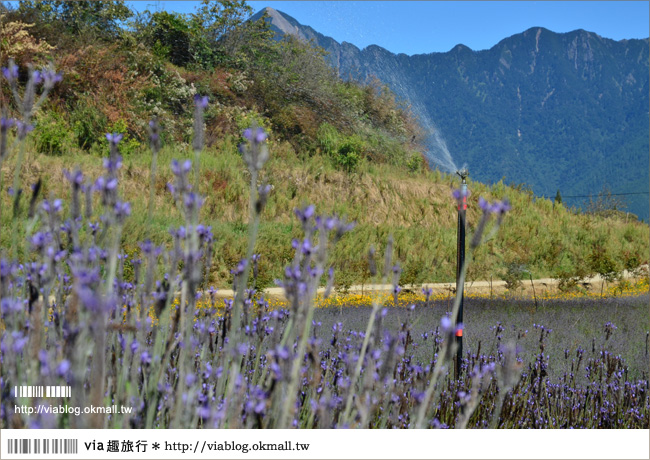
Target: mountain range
pixel 550 111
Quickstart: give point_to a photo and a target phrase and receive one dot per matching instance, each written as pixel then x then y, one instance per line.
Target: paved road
pixel 472 287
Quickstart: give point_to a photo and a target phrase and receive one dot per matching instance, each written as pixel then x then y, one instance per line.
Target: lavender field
pixel 147 332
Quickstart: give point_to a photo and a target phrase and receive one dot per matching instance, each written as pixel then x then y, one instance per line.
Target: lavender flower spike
pixel 114 138
pixel 201 101
pixel 254 151
pixel 23 129
pixel 50 78
pixel 10 72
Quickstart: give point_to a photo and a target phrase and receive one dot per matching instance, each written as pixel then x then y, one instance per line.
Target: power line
pixel 606 194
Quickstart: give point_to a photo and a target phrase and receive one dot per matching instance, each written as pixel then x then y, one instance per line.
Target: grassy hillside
pixel 416 208
pixel 348 149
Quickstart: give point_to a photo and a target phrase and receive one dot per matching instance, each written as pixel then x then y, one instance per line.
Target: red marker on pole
pixel 460 253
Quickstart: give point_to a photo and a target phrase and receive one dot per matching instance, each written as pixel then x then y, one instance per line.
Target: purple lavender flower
pixel 23 129
pixel 53 207
pixel 193 201
pixel 459 194
pixel 500 207
pixel 200 101
pixel 205 233
pixel 10 305
pixel 255 151
pixel 122 210
pixel 37 77
pixel 104 186
pixel 63 368
pixel 282 352
pixel 179 234
pixel 89 299
pixel 114 138
pixel 305 214
pixel 10 72
pixel 113 164
pixel 179 169
pixel 40 239
pixel 75 177
pixel 305 246
pixel 50 78
pixel 241 266
pixel 258 136
pixel 242 348
pixel 145 357
pixel 20 341
pixel 204 412
pixel 154 135
pixel 6 123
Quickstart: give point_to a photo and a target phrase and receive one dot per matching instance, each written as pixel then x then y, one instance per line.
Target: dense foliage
pixel 124 67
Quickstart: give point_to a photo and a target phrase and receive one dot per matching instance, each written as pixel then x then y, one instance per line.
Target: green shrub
pixel 52 135
pixel 570 272
pixel 246 118
pixel 415 162
pixel 349 153
pixel 631 260
pixel 328 138
pixel 128 145
pixel 601 263
pixel 513 276
pixel 88 125
pixel 170 37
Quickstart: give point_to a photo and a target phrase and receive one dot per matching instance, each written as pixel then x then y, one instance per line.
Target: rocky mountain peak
pixel 280 22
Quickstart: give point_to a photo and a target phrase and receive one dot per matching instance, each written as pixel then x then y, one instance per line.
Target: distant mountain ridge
pixel 565 111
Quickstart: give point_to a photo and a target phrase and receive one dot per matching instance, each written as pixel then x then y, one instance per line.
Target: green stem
pixel 181 359
pixel 357 370
pixel 16 185
pixel 253 227
pixel 295 369
pixel 1 193
pixel 152 186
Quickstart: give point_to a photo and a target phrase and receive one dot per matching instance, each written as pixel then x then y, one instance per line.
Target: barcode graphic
pixel 42 446
pixel 42 391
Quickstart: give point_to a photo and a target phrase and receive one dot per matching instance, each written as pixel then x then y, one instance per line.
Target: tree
pixel 219 18
pixel 214 22
pixel 167 34
pixel 18 44
pixel 606 204
pixel 217 33
pixel 99 20
pixel 558 197
pixel 601 263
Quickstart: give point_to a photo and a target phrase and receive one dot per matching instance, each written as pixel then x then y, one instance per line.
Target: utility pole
pixel 460 260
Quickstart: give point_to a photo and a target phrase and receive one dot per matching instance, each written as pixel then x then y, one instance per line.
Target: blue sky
pixel 415 27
